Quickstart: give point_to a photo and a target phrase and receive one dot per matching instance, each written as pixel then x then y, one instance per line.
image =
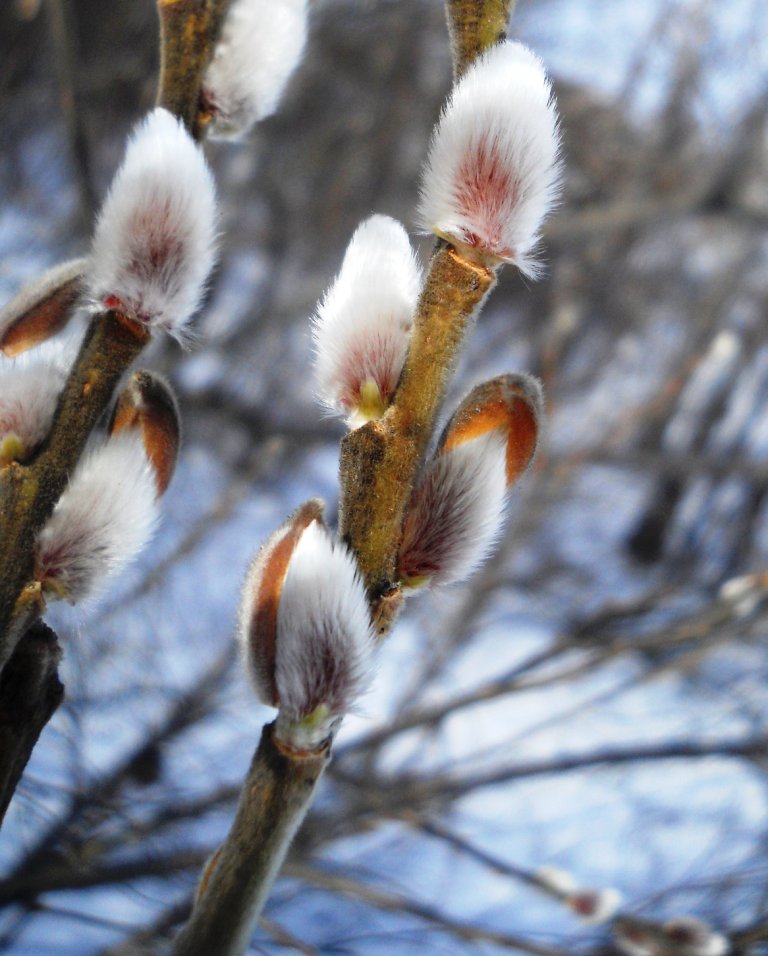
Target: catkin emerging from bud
pixel 104 518
pixel 261 44
pixel 154 243
pixel 455 514
pixel 457 507
pixel 305 629
pixel 492 173
pixel 363 323
pixel 148 405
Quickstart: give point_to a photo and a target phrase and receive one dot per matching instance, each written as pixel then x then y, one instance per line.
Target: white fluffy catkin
pixel 363 322
pixel 29 392
pixel 154 244
pixel 324 635
pixel 456 512
pixel 492 172
pixel 104 518
pixel 261 44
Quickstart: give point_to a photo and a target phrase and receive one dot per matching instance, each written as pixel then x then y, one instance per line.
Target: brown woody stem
pixel 275 797
pixel 30 692
pixel 379 461
pixel 474 25
pixel 188 33
pixel 28 493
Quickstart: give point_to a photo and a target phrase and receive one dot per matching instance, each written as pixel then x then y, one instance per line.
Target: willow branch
pixel 28 493
pixel 474 25
pixel 275 797
pixel 188 33
pixel 379 461
pixel 30 692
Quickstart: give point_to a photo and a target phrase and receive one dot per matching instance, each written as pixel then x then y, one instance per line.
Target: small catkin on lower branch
pixel 379 461
pixel 28 493
pixel 188 33
pixel 275 797
pixel 474 25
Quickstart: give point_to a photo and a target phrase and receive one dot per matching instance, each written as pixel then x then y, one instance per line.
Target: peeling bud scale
pixel 514 403
pixel 493 173
pixel 261 44
pixel 263 586
pixel 153 248
pixel 457 508
pixel 362 325
pixel 104 518
pixel 29 392
pixel 147 404
pixel 306 631
pixel 42 308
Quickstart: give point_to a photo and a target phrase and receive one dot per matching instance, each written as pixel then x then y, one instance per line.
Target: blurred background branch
pixel 626 612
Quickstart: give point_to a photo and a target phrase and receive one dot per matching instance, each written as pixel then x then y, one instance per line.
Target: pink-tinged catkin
pixel 29 392
pixel 104 518
pixel 493 173
pixel 456 513
pixel 305 629
pixel 154 244
pixel 362 325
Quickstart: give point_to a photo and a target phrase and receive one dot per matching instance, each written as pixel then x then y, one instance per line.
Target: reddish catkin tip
pixel 147 404
pixel 512 403
pixel 42 308
pixel 492 173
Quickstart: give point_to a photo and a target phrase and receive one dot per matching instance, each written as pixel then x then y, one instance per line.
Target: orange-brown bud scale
pixel 272 569
pixel 148 404
pixel 507 402
pixel 41 318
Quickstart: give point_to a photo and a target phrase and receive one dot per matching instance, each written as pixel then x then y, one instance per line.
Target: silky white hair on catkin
pixel 154 244
pixel 324 636
pixel 456 512
pixel 29 393
pixel 262 42
pixel 492 173
pixel 362 325
pixel 103 519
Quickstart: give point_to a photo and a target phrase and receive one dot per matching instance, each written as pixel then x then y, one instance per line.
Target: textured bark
pixel 30 692
pixel 188 33
pixel 474 25
pixel 275 797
